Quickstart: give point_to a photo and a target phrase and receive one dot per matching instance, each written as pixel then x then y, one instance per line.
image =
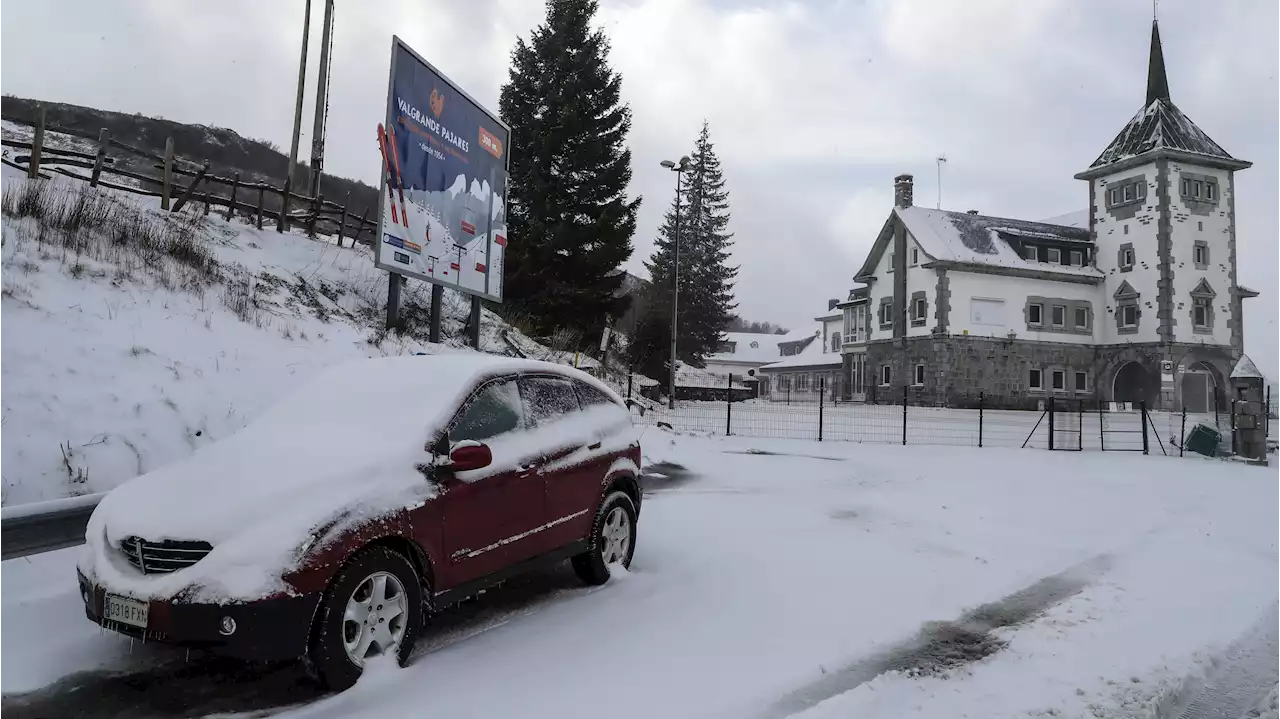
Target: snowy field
pixel 778 578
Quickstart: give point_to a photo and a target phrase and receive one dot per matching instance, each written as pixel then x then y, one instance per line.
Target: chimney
pixel 831 304
pixel 902 191
pixel 972 212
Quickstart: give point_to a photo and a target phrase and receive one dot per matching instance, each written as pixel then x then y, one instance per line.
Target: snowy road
pixel 815 580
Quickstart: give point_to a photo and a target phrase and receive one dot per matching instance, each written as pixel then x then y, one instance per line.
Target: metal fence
pixel 928 419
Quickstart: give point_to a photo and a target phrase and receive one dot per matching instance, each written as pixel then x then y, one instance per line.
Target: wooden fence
pixel 247 198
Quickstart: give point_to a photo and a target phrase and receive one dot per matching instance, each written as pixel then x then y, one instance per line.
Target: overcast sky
pixel 814 105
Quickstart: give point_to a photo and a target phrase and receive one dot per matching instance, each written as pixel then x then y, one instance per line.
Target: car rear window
pixel 546 399
pixel 493 410
pixel 590 396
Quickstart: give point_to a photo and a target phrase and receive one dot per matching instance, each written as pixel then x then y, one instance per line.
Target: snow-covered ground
pixel 116 362
pixel 782 578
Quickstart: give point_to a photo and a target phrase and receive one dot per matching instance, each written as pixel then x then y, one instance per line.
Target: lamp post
pixel 675 282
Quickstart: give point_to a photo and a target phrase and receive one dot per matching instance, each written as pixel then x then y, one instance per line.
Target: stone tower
pixel 1162 208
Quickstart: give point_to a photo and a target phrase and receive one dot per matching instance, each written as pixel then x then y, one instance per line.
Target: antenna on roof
pixel 941 159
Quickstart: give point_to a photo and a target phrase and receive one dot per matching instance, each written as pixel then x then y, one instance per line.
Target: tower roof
pixel 1160 125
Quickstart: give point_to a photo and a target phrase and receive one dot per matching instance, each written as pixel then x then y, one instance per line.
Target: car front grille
pixel 162 557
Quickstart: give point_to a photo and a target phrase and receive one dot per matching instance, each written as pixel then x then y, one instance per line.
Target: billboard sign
pixel 443 217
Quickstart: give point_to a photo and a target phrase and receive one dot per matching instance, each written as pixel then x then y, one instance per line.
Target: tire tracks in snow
pixel 940 646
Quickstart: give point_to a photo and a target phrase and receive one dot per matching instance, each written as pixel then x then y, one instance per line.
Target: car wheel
pixel 373 607
pixel 612 540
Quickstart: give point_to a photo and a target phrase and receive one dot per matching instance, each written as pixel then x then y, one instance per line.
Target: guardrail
pixel 45 526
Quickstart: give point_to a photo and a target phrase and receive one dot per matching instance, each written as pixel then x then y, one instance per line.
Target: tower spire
pixel 1157 81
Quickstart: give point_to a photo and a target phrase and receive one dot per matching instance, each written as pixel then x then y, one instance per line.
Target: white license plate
pixel 125 610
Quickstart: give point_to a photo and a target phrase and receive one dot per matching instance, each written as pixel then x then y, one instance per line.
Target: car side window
pixel 547 399
pixel 591 397
pixel 493 410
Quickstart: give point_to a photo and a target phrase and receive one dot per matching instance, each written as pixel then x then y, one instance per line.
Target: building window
pixel 1186 188
pixel 915 256
pixel 1082 318
pixel 919 375
pixel 1035 314
pixel 1126 229
pixel 886 313
pixel 1055 256
pixel 1077 258
pixel 1201 312
pixel 1141 187
pixel 1200 255
pixel 919 310
pixel 1031 253
pixel 886 375
pixel 1129 316
pixel 1059 379
pixel 1128 192
pixel 784 384
pixel 1035 380
pixel 802 382
pixel 835 341
pixel 1059 316
pixel 1082 381
pixel 1115 196
pixel 1209 191
pixel 1126 258
pixel 890 262
pixel 1200 225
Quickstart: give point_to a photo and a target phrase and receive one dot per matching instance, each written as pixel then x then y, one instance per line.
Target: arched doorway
pixel 1199 387
pixel 1132 384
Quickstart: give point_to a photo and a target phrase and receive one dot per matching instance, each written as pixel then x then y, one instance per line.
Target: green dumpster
pixel 1203 439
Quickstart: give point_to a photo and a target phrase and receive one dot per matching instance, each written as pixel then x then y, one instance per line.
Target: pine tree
pixel 571 221
pixel 705 305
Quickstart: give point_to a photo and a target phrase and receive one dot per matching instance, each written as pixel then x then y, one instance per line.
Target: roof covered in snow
pixel 1160 125
pixel 964 238
pixel 749 347
pixel 800 335
pixel 1245 369
pixel 811 356
pixel 1079 218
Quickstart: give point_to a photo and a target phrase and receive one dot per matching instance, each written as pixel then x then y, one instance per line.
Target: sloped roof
pixel 765 349
pixel 976 239
pixel 1160 125
pixel 1245 368
pixel 1079 218
pixel 800 335
pixel 811 356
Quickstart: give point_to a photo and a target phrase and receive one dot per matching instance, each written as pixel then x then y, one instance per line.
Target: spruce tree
pixel 571 221
pixel 705 306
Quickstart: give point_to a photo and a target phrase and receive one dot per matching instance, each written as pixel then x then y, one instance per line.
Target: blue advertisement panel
pixel 443 206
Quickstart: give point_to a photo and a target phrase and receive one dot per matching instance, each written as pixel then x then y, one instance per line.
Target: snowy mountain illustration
pixel 462 213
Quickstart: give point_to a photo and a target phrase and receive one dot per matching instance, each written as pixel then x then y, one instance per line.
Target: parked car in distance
pixel 334 524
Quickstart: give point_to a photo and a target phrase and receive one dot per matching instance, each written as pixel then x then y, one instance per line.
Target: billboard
pixel 443 203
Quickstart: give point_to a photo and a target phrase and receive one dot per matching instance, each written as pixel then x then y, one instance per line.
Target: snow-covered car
pixel 333 525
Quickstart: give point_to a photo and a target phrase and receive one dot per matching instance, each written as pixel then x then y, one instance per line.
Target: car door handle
pixel 597 445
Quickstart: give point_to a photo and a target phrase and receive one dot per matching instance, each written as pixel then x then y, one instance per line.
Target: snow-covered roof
pixel 1245 369
pixel 811 356
pixel 981 239
pixel 800 335
pixel 755 347
pixel 1079 218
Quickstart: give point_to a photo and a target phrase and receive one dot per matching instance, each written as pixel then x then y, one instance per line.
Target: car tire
pixel 612 539
pixel 336 636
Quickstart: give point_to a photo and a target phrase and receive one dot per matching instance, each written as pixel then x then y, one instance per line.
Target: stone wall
pixel 963 366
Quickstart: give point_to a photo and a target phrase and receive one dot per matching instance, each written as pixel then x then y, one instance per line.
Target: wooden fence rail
pixel 316 213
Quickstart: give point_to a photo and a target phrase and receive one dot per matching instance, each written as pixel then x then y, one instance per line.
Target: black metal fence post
pixel 1080 427
pixel 1051 423
pixel 630 379
pixel 904 415
pixel 1142 407
pixel 1182 435
pixel 982 396
pixel 1102 439
pixel 788 393
pixel 822 393
pixel 728 407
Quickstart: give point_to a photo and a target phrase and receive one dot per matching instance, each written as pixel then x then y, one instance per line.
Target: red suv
pixel 334 525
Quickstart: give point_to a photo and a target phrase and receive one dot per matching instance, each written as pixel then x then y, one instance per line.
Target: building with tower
pixel 1134 299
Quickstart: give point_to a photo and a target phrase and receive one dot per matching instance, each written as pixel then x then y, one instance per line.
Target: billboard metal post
pixel 474 325
pixel 433 320
pixel 393 300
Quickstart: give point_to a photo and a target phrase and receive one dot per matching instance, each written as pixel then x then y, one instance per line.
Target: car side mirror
pixel 469 454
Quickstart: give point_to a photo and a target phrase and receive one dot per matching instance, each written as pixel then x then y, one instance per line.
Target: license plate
pixel 125 610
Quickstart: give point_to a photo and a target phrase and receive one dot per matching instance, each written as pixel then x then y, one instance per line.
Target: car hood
pixel 257 497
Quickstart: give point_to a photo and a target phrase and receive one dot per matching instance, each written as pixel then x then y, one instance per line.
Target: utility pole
pixel 322 101
pixel 679 169
pixel 302 84
pixel 941 159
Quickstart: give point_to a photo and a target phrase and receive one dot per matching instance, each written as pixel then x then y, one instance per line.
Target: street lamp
pixel 675 283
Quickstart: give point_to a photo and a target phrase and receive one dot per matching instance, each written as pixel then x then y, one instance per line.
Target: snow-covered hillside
pixel 132 337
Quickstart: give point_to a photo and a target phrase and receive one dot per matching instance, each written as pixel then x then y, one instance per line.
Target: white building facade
pixel 1134 300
